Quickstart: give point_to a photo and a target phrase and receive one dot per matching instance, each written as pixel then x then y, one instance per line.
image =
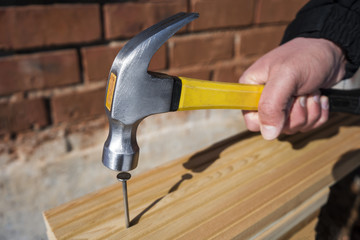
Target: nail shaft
pixel 126 205
pixel 123 177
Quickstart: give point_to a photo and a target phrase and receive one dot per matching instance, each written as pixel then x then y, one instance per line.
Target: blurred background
pixel 54 61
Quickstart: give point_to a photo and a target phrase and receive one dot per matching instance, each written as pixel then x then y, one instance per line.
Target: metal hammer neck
pixel 121 152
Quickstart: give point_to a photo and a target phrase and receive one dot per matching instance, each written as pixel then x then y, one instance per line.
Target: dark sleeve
pixel 335 20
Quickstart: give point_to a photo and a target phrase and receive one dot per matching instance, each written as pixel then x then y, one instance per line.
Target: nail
pixel 324 102
pixel 316 98
pixel 302 101
pixel 269 132
pixel 123 177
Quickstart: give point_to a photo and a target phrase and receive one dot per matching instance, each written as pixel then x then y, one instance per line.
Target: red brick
pixel 5 30
pixel 97 60
pixel 129 18
pixel 228 74
pixel 158 62
pixel 18 116
pixel 200 49
pixel 37 26
pixel 78 105
pixel 222 14
pixel 270 11
pixel 258 41
pixel 38 71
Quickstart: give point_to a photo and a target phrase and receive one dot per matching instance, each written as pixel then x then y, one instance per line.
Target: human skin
pixel 292 74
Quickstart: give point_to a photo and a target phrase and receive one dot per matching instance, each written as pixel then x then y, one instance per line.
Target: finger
pixel 273 108
pixel 324 103
pixel 298 116
pixel 313 110
pixel 255 74
pixel 252 120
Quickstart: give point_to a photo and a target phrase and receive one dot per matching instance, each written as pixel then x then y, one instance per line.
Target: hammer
pixel 133 93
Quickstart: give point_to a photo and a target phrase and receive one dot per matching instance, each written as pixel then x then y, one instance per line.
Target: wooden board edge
pixel 292 219
pixel 49 232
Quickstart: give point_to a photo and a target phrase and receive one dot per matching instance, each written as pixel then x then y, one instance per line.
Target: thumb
pixel 275 103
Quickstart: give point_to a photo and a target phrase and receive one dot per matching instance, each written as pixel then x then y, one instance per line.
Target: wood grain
pixel 240 188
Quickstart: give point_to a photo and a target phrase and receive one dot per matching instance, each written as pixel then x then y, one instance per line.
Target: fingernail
pixel 268 132
pixel 316 98
pixel 324 103
pixel 302 101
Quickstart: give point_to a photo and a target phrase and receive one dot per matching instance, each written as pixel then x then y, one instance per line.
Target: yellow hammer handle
pixel 200 94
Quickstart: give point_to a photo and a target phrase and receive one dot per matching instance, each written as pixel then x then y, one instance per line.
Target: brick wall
pixel 55 57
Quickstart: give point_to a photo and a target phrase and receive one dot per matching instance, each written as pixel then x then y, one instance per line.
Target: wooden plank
pixel 237 189
pixel 305 233
pixel 294 220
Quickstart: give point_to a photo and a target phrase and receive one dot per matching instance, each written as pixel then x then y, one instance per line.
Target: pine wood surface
pixel 307 232
pixel 237 189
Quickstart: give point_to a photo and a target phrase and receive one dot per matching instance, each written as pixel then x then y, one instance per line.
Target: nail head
pixel 123 176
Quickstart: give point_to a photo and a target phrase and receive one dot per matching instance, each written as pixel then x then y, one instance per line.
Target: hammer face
pixel 121 152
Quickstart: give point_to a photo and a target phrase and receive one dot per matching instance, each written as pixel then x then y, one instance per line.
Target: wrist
pixel 338 57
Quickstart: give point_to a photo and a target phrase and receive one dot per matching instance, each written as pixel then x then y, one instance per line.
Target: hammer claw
pixel 151 39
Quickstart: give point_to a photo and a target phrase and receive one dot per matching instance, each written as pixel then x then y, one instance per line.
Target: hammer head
pixel 133 94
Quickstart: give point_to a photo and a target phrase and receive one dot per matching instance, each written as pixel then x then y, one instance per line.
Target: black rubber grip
pixel 347 101
pixel 175 100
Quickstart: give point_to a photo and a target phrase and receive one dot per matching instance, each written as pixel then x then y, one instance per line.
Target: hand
pixel 293 73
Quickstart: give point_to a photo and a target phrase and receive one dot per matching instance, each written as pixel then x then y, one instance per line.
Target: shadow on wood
pixel 172 189
pixel 203 159
pixel 328 130
pixel 198 163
